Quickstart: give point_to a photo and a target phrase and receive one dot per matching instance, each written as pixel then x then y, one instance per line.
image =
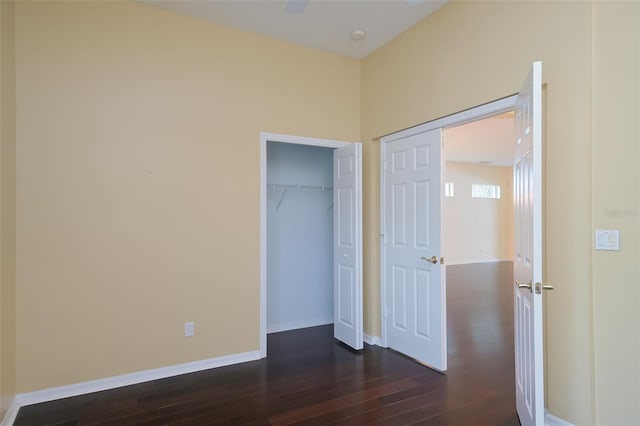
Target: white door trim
pixel 264 138
pixel 471 114
pixel 468 115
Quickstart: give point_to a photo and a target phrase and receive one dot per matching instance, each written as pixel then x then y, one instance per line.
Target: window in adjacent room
pixel 448 189
pixel 485 191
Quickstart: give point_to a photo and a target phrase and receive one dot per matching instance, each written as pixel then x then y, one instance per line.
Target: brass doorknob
pixel 540 287
pixel 432 259
pixel 524 285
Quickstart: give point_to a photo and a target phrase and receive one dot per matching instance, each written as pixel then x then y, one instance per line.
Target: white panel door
pixel 528 251
pixel 415 293
pixel 347 245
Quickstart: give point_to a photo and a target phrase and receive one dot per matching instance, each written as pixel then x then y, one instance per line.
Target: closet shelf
pixel 292 186
pixel 285 187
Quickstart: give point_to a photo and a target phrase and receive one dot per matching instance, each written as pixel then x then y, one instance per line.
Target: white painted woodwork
pixel 142 376
pixel 415 294
pixel 301 140
pixel 528 251
pixel 347 251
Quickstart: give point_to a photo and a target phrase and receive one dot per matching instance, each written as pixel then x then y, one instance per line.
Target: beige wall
pixel 477 230
pixel 616 205
pixel 469 53
pixel 138 181
pixel 7 207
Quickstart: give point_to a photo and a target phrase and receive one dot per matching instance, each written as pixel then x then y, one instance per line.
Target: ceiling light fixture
pixel 357 35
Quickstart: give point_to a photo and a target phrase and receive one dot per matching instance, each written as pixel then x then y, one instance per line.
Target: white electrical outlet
pixel 188 329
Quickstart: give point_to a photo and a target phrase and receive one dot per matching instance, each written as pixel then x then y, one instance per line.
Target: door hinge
pixel 384 164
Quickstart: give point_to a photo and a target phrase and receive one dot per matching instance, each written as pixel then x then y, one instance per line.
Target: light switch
pixel 608 239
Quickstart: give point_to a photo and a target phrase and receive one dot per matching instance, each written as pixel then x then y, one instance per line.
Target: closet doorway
pixel 299 236
pixel 311 236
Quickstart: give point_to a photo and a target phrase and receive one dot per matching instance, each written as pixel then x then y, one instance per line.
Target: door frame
pixel 264 138
pixel 469 115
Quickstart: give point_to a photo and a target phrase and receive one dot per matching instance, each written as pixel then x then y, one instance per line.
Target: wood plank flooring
pixel 309 379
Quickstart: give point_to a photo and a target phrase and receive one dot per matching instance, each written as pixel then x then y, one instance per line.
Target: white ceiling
pixel 324 24
pixel 488 140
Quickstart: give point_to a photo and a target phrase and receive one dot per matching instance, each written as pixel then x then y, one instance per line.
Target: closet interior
pixel 299 236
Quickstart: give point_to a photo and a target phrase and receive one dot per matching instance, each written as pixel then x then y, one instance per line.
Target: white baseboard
pixel 294 325
pixel 131 379
pixel 11 414
pixel 372 340
pixel 478 261
pixel 551 420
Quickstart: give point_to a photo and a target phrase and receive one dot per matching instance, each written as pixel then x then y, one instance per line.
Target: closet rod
pixel 291 186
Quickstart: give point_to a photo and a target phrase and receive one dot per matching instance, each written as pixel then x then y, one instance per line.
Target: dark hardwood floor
pixel 309 379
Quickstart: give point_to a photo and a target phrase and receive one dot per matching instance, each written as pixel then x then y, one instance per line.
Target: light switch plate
pixel 608 239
